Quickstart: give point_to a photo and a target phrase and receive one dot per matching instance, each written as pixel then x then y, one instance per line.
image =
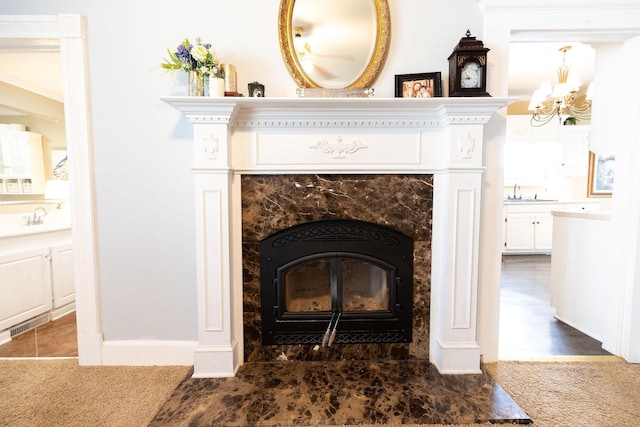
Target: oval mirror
pixel 334 43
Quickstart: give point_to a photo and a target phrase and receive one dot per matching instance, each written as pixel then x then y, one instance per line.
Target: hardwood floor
pixel 54 339
pixel 528 328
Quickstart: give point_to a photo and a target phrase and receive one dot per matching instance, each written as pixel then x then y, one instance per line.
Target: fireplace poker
pixel 325 340
pixel 335 327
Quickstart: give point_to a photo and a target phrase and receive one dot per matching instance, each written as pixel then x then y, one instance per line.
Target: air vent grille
pixel 30 324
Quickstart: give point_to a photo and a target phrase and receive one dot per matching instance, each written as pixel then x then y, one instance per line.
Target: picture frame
pixel 601 174
pixel 256 90
pixel 59 166
pixel 419 85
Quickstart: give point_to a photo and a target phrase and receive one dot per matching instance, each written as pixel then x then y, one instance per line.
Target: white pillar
pixel 219 351
pixel 457 199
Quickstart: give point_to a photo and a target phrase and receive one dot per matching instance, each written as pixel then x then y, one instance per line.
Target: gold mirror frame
pixel 368 76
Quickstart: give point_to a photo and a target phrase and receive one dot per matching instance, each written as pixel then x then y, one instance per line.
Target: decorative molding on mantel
pixel 338 112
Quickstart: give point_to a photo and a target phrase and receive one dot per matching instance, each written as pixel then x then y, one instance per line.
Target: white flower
pixel 199 52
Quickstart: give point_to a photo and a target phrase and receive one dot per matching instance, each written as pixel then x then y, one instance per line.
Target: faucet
pixel 516 187
pixel 37 219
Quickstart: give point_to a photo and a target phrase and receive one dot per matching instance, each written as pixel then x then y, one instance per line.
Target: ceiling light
pixel 561 101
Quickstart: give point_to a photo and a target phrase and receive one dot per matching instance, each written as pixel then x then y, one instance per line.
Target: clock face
pixel 470 77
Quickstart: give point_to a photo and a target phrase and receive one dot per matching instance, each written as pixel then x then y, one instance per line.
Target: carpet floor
pixel 60 393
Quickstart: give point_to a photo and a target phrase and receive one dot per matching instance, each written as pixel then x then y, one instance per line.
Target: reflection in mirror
pixel 334 43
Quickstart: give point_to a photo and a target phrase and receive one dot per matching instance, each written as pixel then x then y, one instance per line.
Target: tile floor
pixel 54 339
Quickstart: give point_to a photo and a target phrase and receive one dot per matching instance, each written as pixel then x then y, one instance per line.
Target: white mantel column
pixel 457 199
pixel 219 351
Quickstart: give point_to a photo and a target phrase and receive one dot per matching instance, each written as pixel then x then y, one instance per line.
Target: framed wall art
pixel 420 85
pixel 601 170
pixel 256 90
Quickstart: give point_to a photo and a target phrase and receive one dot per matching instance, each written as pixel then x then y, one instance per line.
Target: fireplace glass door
pixel 344 283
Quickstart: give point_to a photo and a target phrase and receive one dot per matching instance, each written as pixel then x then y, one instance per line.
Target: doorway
pixel 68 32
pixel 31 77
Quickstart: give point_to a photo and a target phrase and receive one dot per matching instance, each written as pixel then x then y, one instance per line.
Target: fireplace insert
pixel 336 281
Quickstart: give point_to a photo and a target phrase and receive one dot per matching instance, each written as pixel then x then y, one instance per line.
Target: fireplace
pixel 393 207
pixel 342 281
pixel 238 137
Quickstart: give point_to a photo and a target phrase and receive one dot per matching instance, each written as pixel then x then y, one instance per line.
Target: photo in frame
pixel 256 90
pixel 419 85
pixel 601 173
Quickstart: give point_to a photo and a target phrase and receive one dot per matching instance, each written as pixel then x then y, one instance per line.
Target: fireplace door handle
pixel 335 328
pixel 325 339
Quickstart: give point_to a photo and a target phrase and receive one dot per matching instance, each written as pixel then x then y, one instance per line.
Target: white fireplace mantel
pixel 440 136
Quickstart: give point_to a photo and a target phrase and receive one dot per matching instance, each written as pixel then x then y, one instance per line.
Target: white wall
pixel 142 147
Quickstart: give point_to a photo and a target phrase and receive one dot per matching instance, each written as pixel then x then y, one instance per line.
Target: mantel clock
pixel 468 68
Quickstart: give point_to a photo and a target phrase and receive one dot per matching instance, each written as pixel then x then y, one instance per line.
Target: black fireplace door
pixel 344 275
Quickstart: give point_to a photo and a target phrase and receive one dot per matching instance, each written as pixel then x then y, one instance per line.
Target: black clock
pixel 468 68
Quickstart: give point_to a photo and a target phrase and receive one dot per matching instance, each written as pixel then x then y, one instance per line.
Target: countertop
pixel 32 229
pixel 531 201
pixel 12 225
pixel 597 215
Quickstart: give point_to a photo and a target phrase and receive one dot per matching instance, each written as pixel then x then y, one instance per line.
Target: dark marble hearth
pixel 339 393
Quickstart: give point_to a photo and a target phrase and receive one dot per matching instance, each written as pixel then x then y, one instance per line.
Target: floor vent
pixel 30 324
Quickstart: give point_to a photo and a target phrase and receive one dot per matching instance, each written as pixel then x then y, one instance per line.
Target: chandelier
pixel 562 101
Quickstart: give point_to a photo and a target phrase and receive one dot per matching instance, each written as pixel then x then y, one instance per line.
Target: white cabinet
pixel 62 284
pixel 21 163
pixel 575 150
pixel 25 286
pixel 528 232
pixel 36 277
pixel 528 226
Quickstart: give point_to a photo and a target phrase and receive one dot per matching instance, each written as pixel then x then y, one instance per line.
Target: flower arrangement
pixel 196 57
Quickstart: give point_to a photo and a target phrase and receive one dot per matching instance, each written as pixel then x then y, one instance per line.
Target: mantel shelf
pixel 370 112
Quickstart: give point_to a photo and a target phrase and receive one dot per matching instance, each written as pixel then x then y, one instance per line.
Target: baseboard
pixel 455 358
pixel 90 349
pixel 59 312
pixel 148 353
pixel 5 337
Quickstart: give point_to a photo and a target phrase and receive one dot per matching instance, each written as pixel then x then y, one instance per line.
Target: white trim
pixel 70 32
pixel 148 353
pixel 455 358
pixel 59 312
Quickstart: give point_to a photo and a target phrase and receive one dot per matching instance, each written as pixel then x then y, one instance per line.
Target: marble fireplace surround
pixel 237 136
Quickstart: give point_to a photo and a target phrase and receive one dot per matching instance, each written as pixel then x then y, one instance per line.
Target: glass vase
pixel 195 83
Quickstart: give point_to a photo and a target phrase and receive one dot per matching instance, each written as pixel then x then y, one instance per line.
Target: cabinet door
pixel 575 150
pixel 543 232
pixel 62 275
pixel 16 156
pixel 25 286
pixel 520 232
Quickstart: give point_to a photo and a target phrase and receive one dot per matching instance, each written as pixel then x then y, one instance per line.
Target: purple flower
pixel 183 53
